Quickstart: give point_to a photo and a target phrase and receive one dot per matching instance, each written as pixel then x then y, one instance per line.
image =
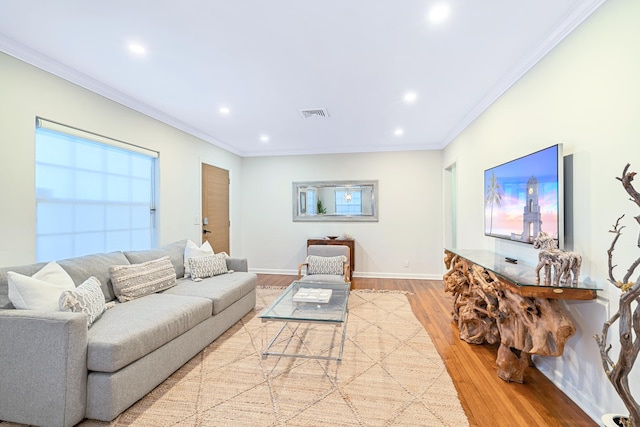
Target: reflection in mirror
pixel 335 201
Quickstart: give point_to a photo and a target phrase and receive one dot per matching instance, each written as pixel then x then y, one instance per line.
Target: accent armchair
pixel 326 263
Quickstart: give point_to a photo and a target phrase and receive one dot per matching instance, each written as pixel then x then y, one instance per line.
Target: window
pixel 93 194
pixel 311 202
pixel 348 202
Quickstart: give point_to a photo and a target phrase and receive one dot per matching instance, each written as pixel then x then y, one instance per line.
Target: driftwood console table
pixel 496 301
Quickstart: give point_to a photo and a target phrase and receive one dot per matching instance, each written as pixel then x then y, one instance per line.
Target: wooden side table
pixel 351 243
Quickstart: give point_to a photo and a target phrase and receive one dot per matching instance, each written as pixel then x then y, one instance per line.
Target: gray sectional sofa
pixel 55 371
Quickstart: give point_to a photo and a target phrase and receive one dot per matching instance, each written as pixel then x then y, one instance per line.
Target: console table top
pixel 523 276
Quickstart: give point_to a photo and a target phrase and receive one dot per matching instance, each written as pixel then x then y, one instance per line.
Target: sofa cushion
pixel 41 290
pixel 175 252
pixel 96 265
pixel 207 266
pixel 131 330
pixel 237 264
pixel 222 291
pixel 86 298
pixel 137 280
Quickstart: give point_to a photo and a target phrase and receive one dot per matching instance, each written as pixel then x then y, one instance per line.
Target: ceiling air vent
pixel 321 113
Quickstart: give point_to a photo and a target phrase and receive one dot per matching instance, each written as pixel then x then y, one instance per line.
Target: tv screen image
pixel 524 196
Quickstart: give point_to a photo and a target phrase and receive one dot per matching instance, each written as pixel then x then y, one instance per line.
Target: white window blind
pixel 93 194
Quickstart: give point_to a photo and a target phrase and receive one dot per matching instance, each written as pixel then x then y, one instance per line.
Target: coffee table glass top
pixel 284 308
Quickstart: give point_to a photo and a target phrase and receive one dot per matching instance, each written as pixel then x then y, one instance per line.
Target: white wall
pixel 410 217
pixel 585 94
pixel 28 92
pixel 262 229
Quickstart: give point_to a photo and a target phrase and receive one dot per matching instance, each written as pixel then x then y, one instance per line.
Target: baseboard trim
pixel 590 407
pixel 367 275
pixel 273 271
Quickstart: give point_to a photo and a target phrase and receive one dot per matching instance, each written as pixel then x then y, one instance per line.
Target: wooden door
pixel 215 208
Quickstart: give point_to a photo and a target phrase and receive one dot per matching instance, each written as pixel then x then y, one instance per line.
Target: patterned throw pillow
pixel 326 264
pixel 86 298
pixel 137 280
pixel 208 266
pixel 191 250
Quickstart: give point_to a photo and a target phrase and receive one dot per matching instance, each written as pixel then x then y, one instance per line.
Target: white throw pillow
pixel 86 298
pixel 191 250
pixel 40 291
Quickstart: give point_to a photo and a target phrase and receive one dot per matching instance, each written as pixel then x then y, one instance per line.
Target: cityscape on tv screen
pixel 521 197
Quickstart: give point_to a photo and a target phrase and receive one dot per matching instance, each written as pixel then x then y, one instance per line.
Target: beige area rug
pixel 391 375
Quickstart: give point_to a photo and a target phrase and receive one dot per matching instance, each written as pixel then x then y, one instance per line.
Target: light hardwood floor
pixel 486 399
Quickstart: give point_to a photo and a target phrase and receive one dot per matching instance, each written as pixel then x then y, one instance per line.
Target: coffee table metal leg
pixel 344 336
pixel 266 352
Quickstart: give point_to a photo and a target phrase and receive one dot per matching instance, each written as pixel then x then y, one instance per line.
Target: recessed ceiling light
pixel 410 97
pixel 399 132
pixel 137 48
pixel 224 110
pixel 439 13
pixel 264 138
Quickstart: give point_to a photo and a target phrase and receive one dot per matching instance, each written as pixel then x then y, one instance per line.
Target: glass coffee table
pixel 305 303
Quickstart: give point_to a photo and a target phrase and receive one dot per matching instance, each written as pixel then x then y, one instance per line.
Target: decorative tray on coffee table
pixel 315 295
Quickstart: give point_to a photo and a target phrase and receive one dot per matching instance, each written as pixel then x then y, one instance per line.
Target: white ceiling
pixel 267 60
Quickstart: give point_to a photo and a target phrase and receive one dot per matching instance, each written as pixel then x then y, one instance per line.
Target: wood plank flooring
pixel 486 399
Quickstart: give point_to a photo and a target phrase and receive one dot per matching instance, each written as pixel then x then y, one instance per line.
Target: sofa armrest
pixel 43 357
pixel 237 264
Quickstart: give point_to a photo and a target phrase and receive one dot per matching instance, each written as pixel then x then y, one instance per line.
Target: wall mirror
pixel 335 201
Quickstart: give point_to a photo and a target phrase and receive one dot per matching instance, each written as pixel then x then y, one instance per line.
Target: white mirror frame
pixel 369 201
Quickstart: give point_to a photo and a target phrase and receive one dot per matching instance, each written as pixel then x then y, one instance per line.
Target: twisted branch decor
pixel 627 317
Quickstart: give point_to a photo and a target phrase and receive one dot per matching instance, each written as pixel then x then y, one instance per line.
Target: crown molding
pixel 45 63
pixel 342 150
pixel 566 25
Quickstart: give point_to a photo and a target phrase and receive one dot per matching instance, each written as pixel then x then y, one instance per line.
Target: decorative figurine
pixel 565 265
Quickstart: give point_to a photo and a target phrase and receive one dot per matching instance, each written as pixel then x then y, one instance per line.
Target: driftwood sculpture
pixel 564 265
pixel 488 312
pixel 627 316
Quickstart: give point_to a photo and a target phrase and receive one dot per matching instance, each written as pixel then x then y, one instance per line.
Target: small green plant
pixel 321 209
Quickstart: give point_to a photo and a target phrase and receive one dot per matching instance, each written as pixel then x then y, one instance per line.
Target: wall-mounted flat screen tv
pixel 524 196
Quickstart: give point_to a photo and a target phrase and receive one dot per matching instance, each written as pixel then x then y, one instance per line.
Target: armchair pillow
pixel 326 265
pixel 40 291
pixel 137 280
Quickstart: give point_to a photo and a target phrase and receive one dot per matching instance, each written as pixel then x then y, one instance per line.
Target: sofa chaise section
pixel 109 394
pixel 134 329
